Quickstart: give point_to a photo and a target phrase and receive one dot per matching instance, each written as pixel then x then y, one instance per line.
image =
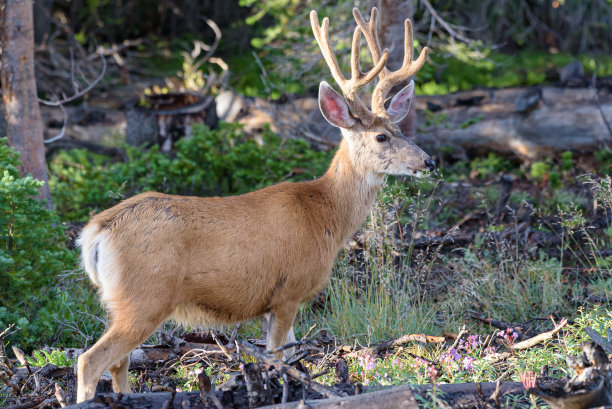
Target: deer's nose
pixel 430 163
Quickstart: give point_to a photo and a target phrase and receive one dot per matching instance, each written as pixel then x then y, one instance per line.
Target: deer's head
pixel 376 143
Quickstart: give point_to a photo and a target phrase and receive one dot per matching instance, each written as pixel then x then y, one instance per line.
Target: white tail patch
pixel 99 260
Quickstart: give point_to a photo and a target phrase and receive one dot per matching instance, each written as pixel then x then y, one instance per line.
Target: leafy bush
pixel 210 162
pixel 32 253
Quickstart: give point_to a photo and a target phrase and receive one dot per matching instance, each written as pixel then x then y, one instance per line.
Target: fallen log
pixel 528 122
pixel 397 397
pixel 454 395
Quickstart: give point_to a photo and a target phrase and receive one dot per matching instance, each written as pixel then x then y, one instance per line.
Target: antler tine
pixel 370 32
pixel 358 79
pixel 387 78
pixel 323 41
pixel 407 70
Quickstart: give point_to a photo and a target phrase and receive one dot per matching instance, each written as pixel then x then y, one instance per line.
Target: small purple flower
pixel 370 365
pixel 451 356
pixel 467 363
pixel 432 372
pixel 473 340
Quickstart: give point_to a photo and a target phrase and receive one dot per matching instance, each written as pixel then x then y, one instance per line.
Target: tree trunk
pixel 20 103
pixel 42 19
pixel 391 31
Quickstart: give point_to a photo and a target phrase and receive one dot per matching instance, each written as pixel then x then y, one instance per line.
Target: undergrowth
pixel 32 257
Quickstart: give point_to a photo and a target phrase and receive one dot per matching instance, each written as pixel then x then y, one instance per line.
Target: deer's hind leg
pixel 112 352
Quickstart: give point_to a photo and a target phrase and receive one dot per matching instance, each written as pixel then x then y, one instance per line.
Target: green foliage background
pixel 209 163
pixel 32 256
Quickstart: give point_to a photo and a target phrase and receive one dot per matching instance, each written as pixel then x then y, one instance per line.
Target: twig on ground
pixel 528 343
pixel 289 370
pixel 291 345
pixel 223 348
pixel 285 396
pixel 22 358
pixel 463 331
pixel 5 379
pixel 396 343
pixel 230 343
pixel 5 334
pixel 60 396
pixel 500 325
pixel 495 395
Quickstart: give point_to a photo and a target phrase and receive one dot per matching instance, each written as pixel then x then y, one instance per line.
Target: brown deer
pixel 221 260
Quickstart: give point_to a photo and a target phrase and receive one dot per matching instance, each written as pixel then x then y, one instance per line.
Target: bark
pixel 20 103
pixel 42 19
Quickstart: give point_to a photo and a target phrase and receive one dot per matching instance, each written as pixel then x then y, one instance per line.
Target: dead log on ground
pixel 529 122
pixel 397 397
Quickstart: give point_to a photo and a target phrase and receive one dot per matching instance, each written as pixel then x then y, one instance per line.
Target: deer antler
pixel 388 79
pixel 358 78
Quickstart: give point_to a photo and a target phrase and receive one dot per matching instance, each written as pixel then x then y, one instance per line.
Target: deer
pixel 222 260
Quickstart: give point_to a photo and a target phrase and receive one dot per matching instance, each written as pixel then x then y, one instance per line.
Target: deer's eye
pixel 381 137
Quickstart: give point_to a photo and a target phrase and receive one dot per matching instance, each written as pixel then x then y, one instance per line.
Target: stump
pixel 164 118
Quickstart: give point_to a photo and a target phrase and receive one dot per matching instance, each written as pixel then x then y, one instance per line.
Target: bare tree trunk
pixel 392 16
pixel 20 103
pixel 42 19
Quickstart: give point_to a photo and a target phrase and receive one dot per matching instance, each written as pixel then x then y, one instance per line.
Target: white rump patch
pixel 100 260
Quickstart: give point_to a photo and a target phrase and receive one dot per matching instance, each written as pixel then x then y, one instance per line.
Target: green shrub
pixel 210 162
pixel 491 165
pixel 32 253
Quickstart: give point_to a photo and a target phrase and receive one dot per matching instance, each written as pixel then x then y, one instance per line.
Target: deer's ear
pixel 333 107
pixel 400 104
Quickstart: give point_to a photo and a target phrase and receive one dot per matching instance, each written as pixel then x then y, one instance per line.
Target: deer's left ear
pixel 400 104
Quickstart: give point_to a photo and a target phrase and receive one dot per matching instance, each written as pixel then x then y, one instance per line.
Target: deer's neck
pixel 351 193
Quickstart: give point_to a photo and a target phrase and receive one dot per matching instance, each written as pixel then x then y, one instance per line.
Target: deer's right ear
pixel 334 108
